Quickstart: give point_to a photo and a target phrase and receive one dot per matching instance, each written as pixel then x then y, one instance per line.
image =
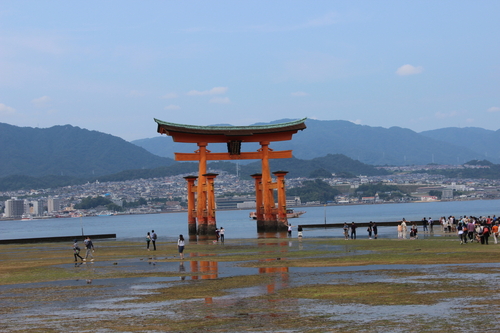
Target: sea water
pixel 237 223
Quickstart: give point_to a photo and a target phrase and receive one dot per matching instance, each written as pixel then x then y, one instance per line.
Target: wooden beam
pixel 221 138
pixel 225 156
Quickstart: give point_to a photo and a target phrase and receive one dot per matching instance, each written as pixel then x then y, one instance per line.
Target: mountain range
pixel 71 151
pixel 369 145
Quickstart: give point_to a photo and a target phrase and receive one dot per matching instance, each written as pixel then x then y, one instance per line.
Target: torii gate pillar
pixel 191 189
pixel 210 193
pixel 280 184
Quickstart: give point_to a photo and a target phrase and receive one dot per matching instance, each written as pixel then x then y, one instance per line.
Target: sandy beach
pixel 253 285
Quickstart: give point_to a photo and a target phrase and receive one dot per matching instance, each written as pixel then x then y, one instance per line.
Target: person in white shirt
pixel 221 234
pixel 180 246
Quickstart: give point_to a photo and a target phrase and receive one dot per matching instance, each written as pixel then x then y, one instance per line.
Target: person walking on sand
pixel 221 234
pixel 404 228
pixel 375 230
pixel 153 239
pixel 346 231
pixel 180 246
pixel 76 251
pixel 494 232
pixel 148 240
pixel 370 230
pixel 425 222
pixel 217 235
pixel 89 249
pixel 353 230
pixel 289 230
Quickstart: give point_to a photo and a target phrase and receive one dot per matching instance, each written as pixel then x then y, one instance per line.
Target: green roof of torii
pixel 165 127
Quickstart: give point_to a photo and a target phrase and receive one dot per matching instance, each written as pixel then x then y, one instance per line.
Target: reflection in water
pixel 281 276
pixel 281 273
pixel 204 266
pixel 279 234
pixel 182 269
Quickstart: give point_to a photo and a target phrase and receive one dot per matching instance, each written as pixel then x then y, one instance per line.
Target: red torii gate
pixel 269 218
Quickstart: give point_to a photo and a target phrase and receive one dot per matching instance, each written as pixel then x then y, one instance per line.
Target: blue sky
pixel 113 66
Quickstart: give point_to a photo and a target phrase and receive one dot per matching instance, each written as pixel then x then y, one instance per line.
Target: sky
pixel 114 66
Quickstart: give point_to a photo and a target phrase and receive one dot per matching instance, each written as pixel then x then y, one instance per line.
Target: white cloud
pixel 443 115
pixel 213 91
pixel 40 102
pixel 494 109
pixel 169 95
pixel 172 107
pixel 409 70
pixel 6 110
pixel 220 100
pixel 299 94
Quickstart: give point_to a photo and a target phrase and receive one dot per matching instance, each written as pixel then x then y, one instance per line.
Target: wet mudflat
pixel 265 285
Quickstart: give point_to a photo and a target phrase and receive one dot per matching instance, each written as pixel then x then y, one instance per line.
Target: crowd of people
pixel 468 228
pixel 350 230
pixel 471 228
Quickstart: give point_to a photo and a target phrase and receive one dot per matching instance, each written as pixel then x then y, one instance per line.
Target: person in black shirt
pixel 353 230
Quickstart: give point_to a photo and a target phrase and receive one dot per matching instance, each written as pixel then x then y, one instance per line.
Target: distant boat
pixel 105 213
pixel 290 214
pixel 26 217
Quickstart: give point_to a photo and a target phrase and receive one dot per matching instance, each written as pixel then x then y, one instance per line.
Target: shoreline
pixel 241 209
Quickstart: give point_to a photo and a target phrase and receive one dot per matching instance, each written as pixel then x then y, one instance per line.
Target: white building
pixel 14 207
pixel 53 205
pixel 37 207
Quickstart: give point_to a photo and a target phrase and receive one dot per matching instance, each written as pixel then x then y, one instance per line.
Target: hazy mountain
pixel 370 145
pixel 485 142
pixel 69 151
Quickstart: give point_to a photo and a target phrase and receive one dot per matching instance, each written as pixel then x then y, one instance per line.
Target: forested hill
pixel 321 167
pixel 69 151
pixel 370 145
pixel 483 141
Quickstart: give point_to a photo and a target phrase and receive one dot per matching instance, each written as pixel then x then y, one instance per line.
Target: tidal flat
pixel 260 285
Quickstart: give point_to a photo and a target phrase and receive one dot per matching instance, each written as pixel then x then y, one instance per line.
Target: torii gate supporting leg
pixel 269 215
pixel 201 204
pixel 259 205
pixel 210 193
pixel 281 216
pixel 191 188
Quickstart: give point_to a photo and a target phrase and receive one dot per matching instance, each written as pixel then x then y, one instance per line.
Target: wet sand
pixel 265 285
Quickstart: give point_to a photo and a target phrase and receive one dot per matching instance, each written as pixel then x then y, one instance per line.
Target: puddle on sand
pixel 380 312
pixel 116 297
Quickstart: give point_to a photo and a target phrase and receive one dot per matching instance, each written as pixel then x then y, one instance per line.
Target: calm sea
pixel 238 224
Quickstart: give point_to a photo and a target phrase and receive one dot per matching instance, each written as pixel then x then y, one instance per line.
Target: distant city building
pixel 447 194
pixel 231 203
pixel 293 201
pixel 53 205
pixel 37 209
pixel 117 202
pixel 14 208
pixel 246 205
